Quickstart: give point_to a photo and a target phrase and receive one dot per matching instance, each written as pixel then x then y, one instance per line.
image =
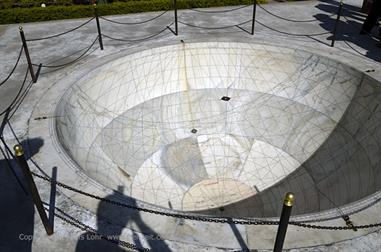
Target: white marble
pixel 130 121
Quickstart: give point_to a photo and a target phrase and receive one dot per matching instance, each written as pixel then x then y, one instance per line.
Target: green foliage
pixel 6 4
pixel 34 14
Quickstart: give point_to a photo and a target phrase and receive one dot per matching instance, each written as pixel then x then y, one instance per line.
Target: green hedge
pixel 24 15
pixel 6 4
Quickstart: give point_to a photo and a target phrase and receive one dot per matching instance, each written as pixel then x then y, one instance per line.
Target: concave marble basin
pixel 230 127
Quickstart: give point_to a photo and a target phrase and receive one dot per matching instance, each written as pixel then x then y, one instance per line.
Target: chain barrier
pixel 349 227
pixel 221 219
pixel 60 34
pixel 67 56
pixel 11 106
pixel 17 101
pixel 353 49
pixel 73 61
pixel 316 220
pixel 154 35
pixel 138 40
pixel 215 28
pixel 14 67
pixel 21 99
pixel 292 34
pixel 291 20
pixel 71 54
pixel 220 11
pixel 210 219
pixel 134 23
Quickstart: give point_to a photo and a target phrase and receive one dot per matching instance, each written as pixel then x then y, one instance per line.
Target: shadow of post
pixel 239 237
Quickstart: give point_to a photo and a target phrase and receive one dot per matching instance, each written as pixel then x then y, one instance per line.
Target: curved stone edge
pixel 258 237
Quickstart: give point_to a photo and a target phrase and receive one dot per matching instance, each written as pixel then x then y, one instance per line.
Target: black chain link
pixel 73 61
pixel 349 227
pixel 14 67
pixel 292 34
pixel 229 220
pixel 134 23
pixel 138 39
pixel 18 95
pixel 168 214
pixel 311 226
pixel 63 33
pixel 292 20
pixel 214 28
pixel 206 218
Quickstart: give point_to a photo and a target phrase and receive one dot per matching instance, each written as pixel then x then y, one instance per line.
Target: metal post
pixel 25 46
pixel 175 8
pixel 53 193
pixel 337 23
pixel 254 11
pixel 38 71
pixel 349 223
pixel 9 164
pixel 365 6
pixel 19 152
pixel 283 223
pixel 98 26
pixel 3 123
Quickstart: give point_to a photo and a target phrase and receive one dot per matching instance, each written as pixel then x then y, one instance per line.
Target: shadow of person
pixel 120 218
pixel 348 28
pixel 17 210
pixel 88 242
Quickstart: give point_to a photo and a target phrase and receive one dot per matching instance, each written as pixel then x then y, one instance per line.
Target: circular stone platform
pixel 221 129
